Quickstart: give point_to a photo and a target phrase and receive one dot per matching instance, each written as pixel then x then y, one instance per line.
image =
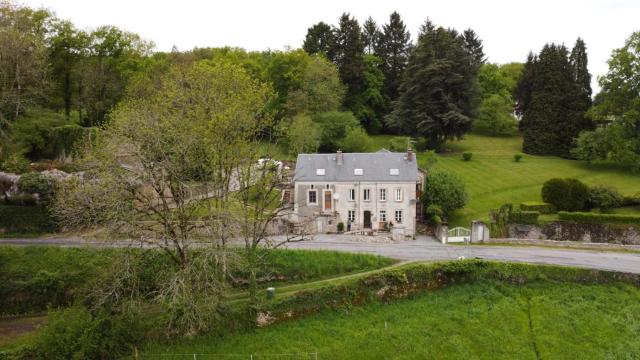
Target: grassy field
pixel 485 320
pixel 493 178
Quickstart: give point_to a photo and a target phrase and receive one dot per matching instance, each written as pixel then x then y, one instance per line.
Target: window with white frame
pixel 352 194
pixel 394 172
pixel 358 172
pixel 320 172
pixel 367 195
pixel 399 216
pixel 312 197
pixel 351 216
pixel 383 194
pixel 383 215
pixel 398 194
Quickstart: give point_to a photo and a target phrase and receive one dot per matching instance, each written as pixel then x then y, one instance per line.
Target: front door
pixel 327 200
pixel 367 219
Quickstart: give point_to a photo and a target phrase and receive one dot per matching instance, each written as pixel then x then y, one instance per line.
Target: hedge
pixel 587 217
pixel 524 217
pixel 25 219
pixel 541 207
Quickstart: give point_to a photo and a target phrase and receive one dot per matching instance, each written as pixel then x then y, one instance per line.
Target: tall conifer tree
pixel 436 100
pixel 370 35
pixel 348 51
pixel 393 50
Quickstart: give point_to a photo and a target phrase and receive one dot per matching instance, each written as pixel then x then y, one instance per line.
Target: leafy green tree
pixel 68 46
pixel 319 40
pixel 303 135
pixel 618 104
pixel 319 89
pixel 495 117
pixel 444 190
pixel 348 56
pixel 370 103
pixel 356 140
pixel 23 60
pixel 334 126
pixel 393 48
pixel 438 100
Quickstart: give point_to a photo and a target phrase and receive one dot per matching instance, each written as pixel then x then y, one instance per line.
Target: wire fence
pixel 196 356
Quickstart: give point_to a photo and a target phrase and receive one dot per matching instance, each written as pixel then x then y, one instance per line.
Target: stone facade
pixel 370 205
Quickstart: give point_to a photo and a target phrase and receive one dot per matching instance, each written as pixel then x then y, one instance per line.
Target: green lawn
pixel 493 178
pixel 485 320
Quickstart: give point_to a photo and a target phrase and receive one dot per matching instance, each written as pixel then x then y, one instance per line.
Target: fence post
pixel 195 357
pixel 315 355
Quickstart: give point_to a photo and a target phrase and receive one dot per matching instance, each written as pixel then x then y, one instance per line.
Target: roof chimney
pixel 409 155
pixel 339 157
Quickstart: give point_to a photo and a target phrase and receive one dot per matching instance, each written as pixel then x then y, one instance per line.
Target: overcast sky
pixel 508 28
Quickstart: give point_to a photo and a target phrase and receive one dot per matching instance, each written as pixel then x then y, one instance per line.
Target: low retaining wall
pixel 563 244
pixel 582 232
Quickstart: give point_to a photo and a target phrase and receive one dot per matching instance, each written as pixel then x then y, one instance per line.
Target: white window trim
pixel 382 191
pixel 358 172
pixel 308 197
pixel 395 216
pixel 352 194
pixel 364 192
pixel 383 218
pixel 349 219
pixel 398 193
pixel 320 172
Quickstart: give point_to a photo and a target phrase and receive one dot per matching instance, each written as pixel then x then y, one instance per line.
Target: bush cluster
pixel 605 198
pixel 588 217
pixel 566 194
pixel 466 156
pixel 517 157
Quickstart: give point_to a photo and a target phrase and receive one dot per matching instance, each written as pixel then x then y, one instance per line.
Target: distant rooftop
pixel 379 166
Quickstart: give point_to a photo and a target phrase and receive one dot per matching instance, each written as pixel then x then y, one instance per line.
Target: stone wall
pixel 570 231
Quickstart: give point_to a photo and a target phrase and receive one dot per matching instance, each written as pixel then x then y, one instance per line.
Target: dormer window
pixel 320 172
pixel 394 172
pixel 358 172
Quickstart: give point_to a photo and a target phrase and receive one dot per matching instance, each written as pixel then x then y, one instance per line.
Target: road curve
pixel 423 248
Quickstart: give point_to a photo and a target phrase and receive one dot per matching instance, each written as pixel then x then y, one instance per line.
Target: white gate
pixel 459 234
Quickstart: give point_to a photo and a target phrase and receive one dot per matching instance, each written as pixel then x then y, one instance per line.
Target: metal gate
pixel 459 234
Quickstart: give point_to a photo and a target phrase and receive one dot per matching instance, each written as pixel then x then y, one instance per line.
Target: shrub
pixel 566 194
pixel 524 217
pixel 605 198
pixel 433 215
pixel 74 333
pixel 517 157
pixel 356 140
pixel 446 191
pixel 340 227
pixel 495 116
pixel 36 183
pixel 15 163
pixel 541 207
pixel 588 217
pixel 399 144
pixel 466 156
pixel 26 219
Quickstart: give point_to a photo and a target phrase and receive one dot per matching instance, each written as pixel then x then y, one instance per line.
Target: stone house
pixel 367 192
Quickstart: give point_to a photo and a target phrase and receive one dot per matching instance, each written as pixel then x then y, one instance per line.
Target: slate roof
pixel 376 167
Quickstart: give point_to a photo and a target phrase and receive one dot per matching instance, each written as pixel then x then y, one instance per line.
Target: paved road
pixel 425 248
